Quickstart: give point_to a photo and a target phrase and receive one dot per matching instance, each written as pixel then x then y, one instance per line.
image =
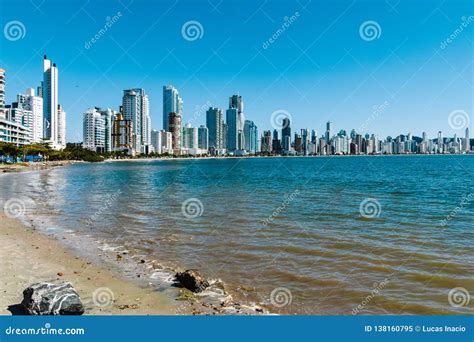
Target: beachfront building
pixel 122 135
pixel 203 139
pixel 266 142
pixel 172 103
pixel 51 115
pixel 135 107
pixel 236 102
pixel 32 116
pixel 61 127
pixel 2 93
pixel 215 126
pixel 98 129
pixel 286 135
pixel 232 117
pixel 250 137
pixel 194 140
pixel 174 126
pixel 93 130
pixel 13 132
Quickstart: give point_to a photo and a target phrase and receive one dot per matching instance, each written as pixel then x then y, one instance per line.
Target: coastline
pixel 27 166
pixel 29 256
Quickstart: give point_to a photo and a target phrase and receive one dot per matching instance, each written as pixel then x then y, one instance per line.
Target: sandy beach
pixel 29 256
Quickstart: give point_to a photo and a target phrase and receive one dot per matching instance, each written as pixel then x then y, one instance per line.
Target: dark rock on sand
pixel 192 280
pixel 52 299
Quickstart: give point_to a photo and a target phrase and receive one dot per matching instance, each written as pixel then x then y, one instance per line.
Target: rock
pixel 192 280
pixel 60 274
pixel 52 299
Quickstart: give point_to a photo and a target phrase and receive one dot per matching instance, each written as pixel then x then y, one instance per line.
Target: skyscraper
pixel 266 143
pixel 122 134
pixel 135 107
pixel 215 126
pixel 93 130
pixel 61 127
pixel 33 104
pixel 286 135
pixel 232 120
pixel 250 136
pixel 236 102
pixel 203 138
pixel 328 132
pixel 50 102
pixel 2 93
pixel 467 141
pixel 172 103
pixel 174 126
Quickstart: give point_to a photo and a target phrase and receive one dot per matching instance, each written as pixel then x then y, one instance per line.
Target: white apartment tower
pixel 51 129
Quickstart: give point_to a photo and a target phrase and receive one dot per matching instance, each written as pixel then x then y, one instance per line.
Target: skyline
pixel 337 80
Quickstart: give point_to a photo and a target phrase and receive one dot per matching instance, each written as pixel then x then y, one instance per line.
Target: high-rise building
pixel 156 141
pixel 232 121
pixel 50 103
pixel 108 115
pixel 203 138
pixel 33 104
pixel 467 141
pixel 250 136
pixel 215 125
pixel 61 127
pixel 440 142
pixel 122 134
pixel 328 132
pixel 174 126
pixel 93 130
pixel 166 142
pixel 2 93
pixel 236 102
pixel 172 103
pixel 266 142
pixel 135 107
pixel 276 143
pixel 286 135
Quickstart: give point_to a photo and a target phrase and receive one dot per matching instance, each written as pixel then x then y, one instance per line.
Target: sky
pixel 382 67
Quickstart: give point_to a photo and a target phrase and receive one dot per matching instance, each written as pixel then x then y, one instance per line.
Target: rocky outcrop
pixel 52 299
pixel 192 280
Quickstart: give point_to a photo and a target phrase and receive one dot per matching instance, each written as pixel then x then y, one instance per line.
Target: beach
pixel 29 256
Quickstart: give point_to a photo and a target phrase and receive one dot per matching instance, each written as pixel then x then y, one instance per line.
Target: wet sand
pixel 29 256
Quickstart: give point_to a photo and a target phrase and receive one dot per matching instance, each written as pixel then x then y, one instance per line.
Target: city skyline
pixel 422 84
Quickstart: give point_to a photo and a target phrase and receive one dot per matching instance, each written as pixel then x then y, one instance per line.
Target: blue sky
pixel 318 69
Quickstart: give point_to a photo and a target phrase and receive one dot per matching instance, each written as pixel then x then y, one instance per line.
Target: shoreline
pixel 35 166
pixel 110 160
pixel 29 256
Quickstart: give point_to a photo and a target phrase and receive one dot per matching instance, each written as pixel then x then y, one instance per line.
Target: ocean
pixel 352 235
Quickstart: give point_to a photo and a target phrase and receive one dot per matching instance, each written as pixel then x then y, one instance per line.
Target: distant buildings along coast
pixel 38 117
